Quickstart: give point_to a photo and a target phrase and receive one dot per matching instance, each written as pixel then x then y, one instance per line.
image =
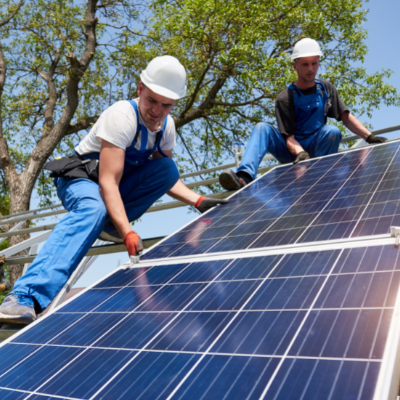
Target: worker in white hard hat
pixel 117 172
pixel 301 112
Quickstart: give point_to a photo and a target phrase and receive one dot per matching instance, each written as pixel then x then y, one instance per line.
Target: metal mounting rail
pixel 93 251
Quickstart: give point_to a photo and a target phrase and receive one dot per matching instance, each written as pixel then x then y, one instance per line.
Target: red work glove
pixel 133 243
pixel 205 203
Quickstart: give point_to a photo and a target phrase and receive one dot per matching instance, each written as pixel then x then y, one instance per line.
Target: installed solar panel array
pixel 307 322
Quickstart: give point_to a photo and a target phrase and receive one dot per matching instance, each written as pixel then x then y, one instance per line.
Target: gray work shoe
pixel 15 311
pixel 112 236
pixel 230 181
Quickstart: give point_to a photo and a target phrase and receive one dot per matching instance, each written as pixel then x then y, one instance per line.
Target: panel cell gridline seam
pixel 1 345
pixel 363 241
pixel 220 208
pixel 260 285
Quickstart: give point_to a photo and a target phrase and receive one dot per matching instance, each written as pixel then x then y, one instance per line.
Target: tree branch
pixel 82 124
pixel 50 139
pixel 11 16
pixel 197 88
pixel 6 163
pixel 219 103
pixel 53 95
pixel 198 112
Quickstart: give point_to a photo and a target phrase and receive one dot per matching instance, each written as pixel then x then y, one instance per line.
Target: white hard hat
pixel 306 48
pixel 166 76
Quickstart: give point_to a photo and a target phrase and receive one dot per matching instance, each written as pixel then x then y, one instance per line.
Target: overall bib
pixel 311 132
pixel 143 182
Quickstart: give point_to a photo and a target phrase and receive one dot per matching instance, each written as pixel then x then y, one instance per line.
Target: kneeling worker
pixel 301 111
pixel 133 141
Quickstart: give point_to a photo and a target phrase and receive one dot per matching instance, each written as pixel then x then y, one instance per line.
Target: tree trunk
pixel 19 202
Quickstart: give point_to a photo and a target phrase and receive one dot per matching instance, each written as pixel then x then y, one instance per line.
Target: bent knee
pixel 263 128
pixel 168 169
pixel 334 133
pixel 93 209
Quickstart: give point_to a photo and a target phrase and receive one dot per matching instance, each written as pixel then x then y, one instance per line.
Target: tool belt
pixel 74 167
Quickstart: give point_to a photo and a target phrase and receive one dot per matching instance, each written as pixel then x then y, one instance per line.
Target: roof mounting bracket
pixel 395 232
pixel 134 260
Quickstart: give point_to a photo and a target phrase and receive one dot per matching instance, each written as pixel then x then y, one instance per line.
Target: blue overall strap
pixel 319 85
pixel 161 133
pixel 324 95
pixel 140 128
pixel 143 129
pixel 295 90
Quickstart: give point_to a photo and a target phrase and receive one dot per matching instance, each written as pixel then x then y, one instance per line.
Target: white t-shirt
pixel 118 126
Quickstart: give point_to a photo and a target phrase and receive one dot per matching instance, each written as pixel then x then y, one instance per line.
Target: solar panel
pixel 308 325
pixel 316 319
pixel 345 195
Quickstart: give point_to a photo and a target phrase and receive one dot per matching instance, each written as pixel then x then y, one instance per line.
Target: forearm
pixel 293 145
pixel 354 125
pixel 115 207
pixel 182 193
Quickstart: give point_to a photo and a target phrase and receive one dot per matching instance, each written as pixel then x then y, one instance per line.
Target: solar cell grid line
pixel 76 321
pixel 71 323
pixel 236 200
pixel 305 194
pixel 346 327
pixel 238 231
pixel 101 389
pixel 89 347
pixel 297 333
pixel 385 167
pixel 307 173
pixel 383 204
pixel 256 215
pixel 328 231
pixel 102 336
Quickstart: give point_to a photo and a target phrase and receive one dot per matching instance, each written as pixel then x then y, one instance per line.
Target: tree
pixel 66 62
pixel 50 53
pixel 237 56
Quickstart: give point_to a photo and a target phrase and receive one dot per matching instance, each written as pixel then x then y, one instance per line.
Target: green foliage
pixel 236 55
pixel 44 35
pixel 241 49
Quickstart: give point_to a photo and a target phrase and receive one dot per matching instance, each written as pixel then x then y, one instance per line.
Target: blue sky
pixel 383 36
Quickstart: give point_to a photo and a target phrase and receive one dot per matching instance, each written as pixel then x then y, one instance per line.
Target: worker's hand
pixel 205 203
pixel 375 139
pixel 303 155
pixel 133 243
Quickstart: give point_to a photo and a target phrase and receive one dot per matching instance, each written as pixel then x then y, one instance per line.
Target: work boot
pixel 112 236
pixel 15 310
pixel 231 181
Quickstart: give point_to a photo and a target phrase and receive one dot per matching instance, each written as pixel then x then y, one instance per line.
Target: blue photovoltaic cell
pixel 346 195
pixel 308 326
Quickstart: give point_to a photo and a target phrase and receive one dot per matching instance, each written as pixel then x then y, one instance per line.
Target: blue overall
pixel 311 132
pixel 143 182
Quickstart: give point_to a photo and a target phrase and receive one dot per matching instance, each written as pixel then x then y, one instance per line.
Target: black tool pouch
pixel 74 167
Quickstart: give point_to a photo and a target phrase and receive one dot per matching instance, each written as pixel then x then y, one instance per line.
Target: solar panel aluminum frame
pixel 257 179
pixel 389 375
pixel 361 241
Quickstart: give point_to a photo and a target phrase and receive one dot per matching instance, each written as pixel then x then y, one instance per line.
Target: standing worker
pixel 301 111
pixel 132 145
